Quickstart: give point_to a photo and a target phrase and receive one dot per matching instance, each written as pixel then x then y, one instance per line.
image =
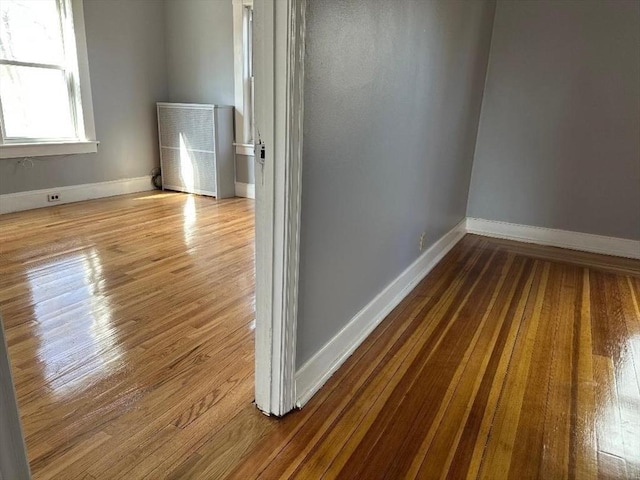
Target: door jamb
pixel 279 27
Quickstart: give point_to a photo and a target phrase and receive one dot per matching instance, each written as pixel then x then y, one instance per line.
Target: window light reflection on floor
pixel 189 221
pixel 75 326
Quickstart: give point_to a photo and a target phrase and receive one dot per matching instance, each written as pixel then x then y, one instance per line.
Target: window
pixel 248 69
pixel 243 71
pixel 44 108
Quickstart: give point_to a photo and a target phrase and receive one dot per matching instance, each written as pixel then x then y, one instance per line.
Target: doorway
pixel 279 49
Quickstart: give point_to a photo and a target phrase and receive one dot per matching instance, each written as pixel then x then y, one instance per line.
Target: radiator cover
pixel 196 151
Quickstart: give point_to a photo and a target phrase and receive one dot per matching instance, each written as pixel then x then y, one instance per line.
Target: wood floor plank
pixel 132 347
pixel 431 457
pixel 499 448
pixel 583 460
pixel 477 429
pixel 628 379
pixel 503 337
pixel 558 409
pixel 608 423
pixel 528 451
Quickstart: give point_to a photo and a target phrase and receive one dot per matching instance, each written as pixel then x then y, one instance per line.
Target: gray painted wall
pixel 559 137
pixel 125 41
pixel 199 36
pixel 245 169
pixel 200 58
pixel 392 99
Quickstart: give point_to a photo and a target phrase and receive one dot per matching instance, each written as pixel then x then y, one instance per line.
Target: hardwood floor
pixel 130 328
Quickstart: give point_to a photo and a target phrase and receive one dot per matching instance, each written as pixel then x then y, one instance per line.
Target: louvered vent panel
pixel 184 127
pixel 189 171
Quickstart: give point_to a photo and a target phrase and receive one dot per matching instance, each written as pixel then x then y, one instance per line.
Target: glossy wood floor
pixel 132 346
pixel 130 329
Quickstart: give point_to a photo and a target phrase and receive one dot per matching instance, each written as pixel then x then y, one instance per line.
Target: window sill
pixel 19 150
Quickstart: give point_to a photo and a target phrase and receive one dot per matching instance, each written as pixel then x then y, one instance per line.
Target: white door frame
pixel 279 29
pixel 13 454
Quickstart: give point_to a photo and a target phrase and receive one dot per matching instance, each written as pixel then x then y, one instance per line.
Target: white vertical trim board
pixel 585 242
pixel 313 374
pixel 279 81
pixel 246 190
pixel 242 122
pixel 16 202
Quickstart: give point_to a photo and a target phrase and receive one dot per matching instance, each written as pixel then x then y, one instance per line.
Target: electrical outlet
pixel 53 197
pixel 423 237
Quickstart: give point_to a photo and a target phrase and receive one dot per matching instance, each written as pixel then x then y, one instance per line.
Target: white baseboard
pixel 247 190
pixel 585 242
pixel 313 374
pixel 15 202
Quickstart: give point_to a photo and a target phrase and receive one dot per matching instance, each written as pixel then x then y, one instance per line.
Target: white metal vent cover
pixel 187 147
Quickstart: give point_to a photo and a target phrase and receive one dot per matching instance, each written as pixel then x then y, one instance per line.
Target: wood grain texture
pixel 130 328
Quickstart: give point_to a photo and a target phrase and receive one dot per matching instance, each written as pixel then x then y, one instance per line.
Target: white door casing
pixel 279 29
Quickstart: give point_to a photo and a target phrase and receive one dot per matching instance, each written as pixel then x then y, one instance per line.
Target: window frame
pixel 76 69
pixel 243 77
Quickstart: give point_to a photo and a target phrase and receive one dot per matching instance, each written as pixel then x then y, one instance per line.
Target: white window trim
pixel 243 145
pixel 22 150
pixel 86 145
